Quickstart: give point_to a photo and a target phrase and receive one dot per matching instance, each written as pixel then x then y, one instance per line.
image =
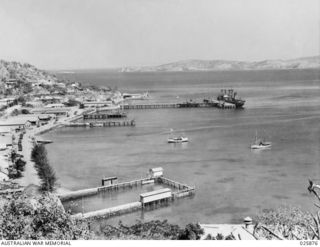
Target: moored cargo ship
pixel 229 96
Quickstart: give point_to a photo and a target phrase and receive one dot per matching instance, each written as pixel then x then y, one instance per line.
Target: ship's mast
pixel 256 137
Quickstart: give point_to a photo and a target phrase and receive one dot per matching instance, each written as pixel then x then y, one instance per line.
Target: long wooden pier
pixel 103 124
pixel 150 106
pixel 221 105
pixel 96 116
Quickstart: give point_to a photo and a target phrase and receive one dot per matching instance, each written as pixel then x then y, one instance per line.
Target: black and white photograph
pixel 159 120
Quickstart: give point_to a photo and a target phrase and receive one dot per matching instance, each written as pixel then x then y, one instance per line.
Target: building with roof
pixel 156 172
pixel 23 121
pixel 7 101
pixel 55 106
pixel 56 111
pixel 20 121
pixel 89 104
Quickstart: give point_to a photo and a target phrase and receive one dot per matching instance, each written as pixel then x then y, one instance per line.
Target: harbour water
pixel 231 180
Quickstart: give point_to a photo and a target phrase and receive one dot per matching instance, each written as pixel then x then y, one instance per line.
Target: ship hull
pixel 237 103
pixel 178 140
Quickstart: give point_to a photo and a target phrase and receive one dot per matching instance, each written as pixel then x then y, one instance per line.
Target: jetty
pixel 96 116
pixel 149 106
pixel 147 200
pixel 211 104
pixel 102 124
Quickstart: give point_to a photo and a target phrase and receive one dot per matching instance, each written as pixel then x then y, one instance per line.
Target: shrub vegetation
pixel 45 219
pixel 154 229
pixel 43 168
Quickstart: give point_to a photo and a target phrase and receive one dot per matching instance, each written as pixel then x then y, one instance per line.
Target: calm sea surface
pixel 231 180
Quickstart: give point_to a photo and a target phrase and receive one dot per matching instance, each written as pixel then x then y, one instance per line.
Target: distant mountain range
pixel 219 65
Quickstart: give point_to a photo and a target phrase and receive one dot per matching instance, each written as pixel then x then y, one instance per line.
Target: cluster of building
pixel 34 101
pixel 71 96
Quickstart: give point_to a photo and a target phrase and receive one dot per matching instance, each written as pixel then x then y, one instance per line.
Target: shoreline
pixel 29 175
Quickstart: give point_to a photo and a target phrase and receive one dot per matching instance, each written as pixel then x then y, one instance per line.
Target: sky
pixel 79 34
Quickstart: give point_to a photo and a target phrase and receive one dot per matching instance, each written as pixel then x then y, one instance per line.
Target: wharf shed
pixel 156 172
pixel 156 195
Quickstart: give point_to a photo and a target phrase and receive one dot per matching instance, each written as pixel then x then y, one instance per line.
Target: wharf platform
pixel 150 106
pixel 96 116
pixel 213 104
pixel 102 124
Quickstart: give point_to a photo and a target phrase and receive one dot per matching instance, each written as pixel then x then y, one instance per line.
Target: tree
pixel 15 112
pixel 191 232
pixel 27 88
pixel 72 102
pixel 20 164
pixel 45 219
pixel 43 168
pixel 25 111
pixel 21 100
pixel 154 229
pixel 13 155
pixel 15 170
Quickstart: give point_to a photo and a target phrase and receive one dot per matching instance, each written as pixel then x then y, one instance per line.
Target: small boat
pixel 260 144
pixel 41 141
pixel 179 139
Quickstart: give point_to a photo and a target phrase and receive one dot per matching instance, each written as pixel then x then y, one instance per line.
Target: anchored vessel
pixel 229 96
pixel 179 139
pixel 260 144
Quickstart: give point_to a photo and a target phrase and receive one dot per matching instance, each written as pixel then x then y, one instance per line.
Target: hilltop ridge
pixel 217 65
pixel 22 78
pixel 23 71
